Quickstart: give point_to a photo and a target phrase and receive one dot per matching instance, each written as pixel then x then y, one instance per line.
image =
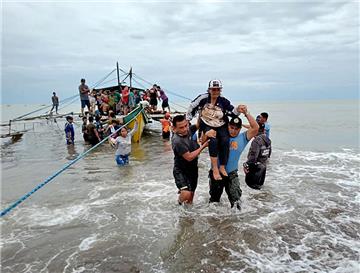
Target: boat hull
pixel 140 116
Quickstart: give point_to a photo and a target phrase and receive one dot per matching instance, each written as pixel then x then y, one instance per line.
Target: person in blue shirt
pixel 263 120
pixel 69 130
pixel 237 143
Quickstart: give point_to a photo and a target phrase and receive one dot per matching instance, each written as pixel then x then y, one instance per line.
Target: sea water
pixel 98 217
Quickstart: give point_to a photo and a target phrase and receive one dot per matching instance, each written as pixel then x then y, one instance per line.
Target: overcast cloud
pixel 260 51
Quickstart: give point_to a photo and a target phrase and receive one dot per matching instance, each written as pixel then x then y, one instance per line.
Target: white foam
pixel 86 243
pixel 52 217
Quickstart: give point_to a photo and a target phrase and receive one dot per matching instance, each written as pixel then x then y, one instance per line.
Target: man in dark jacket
pixel 255 166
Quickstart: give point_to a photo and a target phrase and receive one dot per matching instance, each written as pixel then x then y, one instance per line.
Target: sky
pixel 261 51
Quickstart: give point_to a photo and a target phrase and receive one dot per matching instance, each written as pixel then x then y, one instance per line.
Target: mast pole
pixel 130 73
pixel 118 77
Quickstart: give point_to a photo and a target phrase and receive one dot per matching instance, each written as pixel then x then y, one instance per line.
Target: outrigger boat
pixel 138 114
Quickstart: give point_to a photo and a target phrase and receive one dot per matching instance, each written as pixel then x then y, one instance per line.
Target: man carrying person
pixel 84 96
pixel 238 142
pixel 186 151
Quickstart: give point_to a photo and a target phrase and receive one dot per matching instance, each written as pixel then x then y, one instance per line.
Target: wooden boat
pixel 15 136
pixel 140 116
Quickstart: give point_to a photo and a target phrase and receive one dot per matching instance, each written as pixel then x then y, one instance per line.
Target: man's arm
pixel 254 127
pixel 132 132
pixel 84 89
pixel 190 156
pixel 194 106
pixel 96 134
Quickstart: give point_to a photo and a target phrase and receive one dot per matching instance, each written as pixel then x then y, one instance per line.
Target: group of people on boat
pixel 101 119
pixel 219 125
pixel 121 100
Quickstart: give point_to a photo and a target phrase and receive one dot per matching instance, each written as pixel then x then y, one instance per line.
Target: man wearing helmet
pixel 213 110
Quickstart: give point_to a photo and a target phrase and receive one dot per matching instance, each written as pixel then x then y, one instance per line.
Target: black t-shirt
pixel 90 130
pixel 181 145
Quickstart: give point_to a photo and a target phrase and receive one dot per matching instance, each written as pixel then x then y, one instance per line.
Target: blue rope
pixel 47 180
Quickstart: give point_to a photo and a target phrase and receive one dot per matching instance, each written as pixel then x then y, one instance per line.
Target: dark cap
pixel 236 121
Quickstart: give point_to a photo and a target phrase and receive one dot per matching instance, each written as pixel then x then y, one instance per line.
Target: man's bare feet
pixel 223 171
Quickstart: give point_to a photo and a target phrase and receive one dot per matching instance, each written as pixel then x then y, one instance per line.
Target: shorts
pixel 166 135
pixel 165 103
pixel 185 181
pixel 122 160
pixel 85 103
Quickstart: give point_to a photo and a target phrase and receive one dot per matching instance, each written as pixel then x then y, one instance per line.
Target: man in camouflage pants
pixel 238 143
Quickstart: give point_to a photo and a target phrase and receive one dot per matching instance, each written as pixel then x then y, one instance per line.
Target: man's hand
pixel 205 144
pixel 246 168
pixel 242 108
pixel 211 133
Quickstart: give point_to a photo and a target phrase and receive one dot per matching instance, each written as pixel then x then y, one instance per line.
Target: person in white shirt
pixel 123 145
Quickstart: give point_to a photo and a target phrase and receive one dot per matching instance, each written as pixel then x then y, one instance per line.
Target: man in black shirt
pixel 186 151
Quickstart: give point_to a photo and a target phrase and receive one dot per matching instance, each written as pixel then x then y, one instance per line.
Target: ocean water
pixel 98 217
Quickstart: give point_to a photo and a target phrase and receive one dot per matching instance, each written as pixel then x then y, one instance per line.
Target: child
pixel 166 124
pixel 69 130
pixel 123 145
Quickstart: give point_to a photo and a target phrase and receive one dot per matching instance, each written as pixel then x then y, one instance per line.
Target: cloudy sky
pixel 275 50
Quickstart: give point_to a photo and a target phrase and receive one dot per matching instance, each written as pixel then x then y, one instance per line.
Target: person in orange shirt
pixel 166 125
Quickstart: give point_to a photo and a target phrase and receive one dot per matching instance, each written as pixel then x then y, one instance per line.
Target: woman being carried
pixel 213 110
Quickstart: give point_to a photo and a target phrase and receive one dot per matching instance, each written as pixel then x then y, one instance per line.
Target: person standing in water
pixel 166 125
pixel 186 152
pixel 123 145
pixel 255 166
pixel 69 131
pixel 238 142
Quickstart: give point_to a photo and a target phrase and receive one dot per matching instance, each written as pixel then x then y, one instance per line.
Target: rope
pixel 47 180
pixel 66 105
pixel 48 106
pixel 180 96
pixel 103 79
